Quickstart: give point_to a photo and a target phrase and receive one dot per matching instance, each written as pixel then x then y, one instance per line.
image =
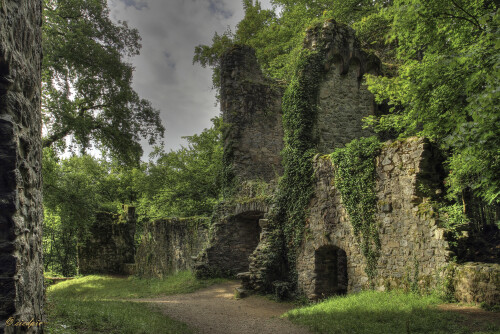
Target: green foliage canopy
pixel 86 88
pixel 75 190
pixel 186 182
pixel 447 86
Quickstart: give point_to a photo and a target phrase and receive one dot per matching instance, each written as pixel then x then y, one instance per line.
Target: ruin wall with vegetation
pixel 169 245
pixel 412 247
pixel 309 241
pixel 110 245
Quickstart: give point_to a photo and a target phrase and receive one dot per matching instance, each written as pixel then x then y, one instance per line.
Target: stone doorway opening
pixel 248 236
pixel 330 267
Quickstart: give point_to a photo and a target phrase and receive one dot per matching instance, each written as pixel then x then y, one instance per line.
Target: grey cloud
pixel 136 4
pixel 165 75
pixel 218 7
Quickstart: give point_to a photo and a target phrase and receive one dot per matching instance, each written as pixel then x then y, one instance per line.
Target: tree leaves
pixel 447 87
pixel 87 91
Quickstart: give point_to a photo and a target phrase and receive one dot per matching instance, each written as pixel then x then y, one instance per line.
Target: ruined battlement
pixel 343 99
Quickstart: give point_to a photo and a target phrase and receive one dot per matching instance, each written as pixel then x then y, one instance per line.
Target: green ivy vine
pixel 355 178
pixel 295 188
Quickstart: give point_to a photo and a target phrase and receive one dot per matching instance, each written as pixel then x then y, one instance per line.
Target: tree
pixel 186 182
pixel 71 200
pixel 87 91
pixel 75 191
pixel 446 87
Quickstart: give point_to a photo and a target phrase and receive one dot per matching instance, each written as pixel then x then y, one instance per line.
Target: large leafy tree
pixel 87 93
pixel 447 87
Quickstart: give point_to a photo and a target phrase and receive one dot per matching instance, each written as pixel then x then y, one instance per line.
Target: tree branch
pixel 48 141
pixel 475 21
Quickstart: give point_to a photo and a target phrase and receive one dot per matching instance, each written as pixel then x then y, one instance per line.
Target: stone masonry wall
pixel 251 107
pixel 235 234
pixel 169 245
pixel 21 265
pixel 110 246
pixel 343 99
pixel 411 243
pixel 343 103
pixel 476 282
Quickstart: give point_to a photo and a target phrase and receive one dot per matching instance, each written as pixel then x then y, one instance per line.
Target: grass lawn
pixel 93 304
pixel 372 312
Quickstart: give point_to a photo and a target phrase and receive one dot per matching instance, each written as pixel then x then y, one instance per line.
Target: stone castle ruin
pixel 240 238
pixel 330 261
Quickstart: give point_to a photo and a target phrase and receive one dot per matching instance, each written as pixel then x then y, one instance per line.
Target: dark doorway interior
pixel 248 234
pixel 331 271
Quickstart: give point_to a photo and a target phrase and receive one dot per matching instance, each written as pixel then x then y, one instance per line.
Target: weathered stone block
pixel 477 283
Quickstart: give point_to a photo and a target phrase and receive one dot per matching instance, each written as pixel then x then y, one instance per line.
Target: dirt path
pixel 215 311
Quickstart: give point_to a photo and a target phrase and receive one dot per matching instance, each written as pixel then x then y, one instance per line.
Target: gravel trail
pixel 214 310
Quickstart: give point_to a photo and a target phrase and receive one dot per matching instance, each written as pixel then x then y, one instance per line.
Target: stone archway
pixel 330 268
pixel 248 230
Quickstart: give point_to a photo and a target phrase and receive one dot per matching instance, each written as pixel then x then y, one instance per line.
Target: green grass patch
pixel 115 317
pixel 105 287
pixel 373 312
pixel 94 304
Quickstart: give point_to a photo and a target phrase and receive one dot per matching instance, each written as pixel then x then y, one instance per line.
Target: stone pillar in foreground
pixel 21 265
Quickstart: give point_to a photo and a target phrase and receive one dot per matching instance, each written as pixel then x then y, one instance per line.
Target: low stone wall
pixel 110 246
pixel 168 245
pixel 413 249
pixel 475 282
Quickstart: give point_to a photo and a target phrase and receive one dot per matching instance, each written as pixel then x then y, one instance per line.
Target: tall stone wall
pixel 21 266
pixel 169 245
pixel 251 109
pixel 343 98
pixel 413 248
pixel 110 245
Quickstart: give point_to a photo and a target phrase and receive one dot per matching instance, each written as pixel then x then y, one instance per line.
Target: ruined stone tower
pixel 21 267
pixel 343 99
pixel 251 110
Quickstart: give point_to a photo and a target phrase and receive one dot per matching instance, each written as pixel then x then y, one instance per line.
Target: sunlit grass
pixel 105 287
pixel 372 312
pixel 95 304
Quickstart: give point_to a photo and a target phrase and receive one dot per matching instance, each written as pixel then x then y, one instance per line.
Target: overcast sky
pixel 164 73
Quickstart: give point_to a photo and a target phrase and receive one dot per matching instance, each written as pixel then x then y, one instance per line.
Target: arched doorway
pixel 330 267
